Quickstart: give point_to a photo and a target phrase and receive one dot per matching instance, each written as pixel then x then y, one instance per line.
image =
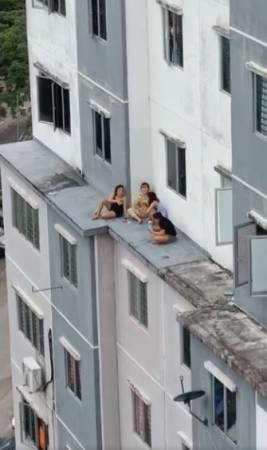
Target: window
pixel 242 235
pixel 102 135
pixel 142 418
pixel 30 325
pixel 99 21
pixel 186 347
pixel 26 219
pixel 54 104
pixel 225 64
pixel 176 167
pixel 69 261
pixel 224 215
pixel 34 430
pixel 173 32
pixel 58 6
pixel 261 104
pixel 138 299
pixel 224 409
pixel 73 375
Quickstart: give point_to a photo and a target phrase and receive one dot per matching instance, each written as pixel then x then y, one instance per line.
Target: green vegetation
pixel 14 78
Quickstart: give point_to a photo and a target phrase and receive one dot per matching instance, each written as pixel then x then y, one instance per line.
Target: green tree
pixel 14 78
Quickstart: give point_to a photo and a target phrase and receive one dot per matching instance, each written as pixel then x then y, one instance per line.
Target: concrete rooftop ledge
pixel 182 264
pixel 235 338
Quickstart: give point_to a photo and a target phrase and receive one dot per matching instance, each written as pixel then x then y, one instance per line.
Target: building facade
pixel 106 328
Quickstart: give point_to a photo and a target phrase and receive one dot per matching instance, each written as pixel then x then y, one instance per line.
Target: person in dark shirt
pixel 163 230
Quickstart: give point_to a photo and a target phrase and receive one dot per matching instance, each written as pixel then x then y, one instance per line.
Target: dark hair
pixel 152 197
pixel 117 188
pixel 157 215
pixel 145 184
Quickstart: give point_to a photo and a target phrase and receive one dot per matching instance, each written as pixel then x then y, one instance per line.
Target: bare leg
pixel 108 215
pixel 131 212
pixel 101 205
pixel 160 238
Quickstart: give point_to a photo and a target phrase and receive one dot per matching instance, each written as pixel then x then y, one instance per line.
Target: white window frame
pixel 69 351
pixel 166 9
pixel 256 293
pixel 32 317
pixel 218 222
pixel 27 224
pixel 146 405
pixel 104 115
pixel 71 242
pixel 138 306
pixel 26 440
pixel 179 145
pixel 244 281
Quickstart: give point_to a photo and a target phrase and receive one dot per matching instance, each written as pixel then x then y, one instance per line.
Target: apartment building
pixel 123 91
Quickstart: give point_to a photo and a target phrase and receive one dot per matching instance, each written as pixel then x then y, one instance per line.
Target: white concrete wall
pixel 261 425
pixel 188 104
pixel 52 42
pixel 27 267
pixel 150 358
pixel 138 92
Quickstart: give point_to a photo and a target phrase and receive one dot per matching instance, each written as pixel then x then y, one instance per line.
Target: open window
pixel 258 267
pixel 224 216
pixel 242 235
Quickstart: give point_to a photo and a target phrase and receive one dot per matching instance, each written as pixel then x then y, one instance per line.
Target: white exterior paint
pixel 186 103
pixel 261 426
pixel 150 359
pixel 52 42
pixel 27 268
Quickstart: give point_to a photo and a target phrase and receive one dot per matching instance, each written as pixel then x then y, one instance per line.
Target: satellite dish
pixel 186 397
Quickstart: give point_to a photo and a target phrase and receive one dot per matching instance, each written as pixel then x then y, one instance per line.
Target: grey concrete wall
pixel 250 17
pixel 249 148
pixel 74 317
pixel 211 437
pixel 244 199
pixel 103 61
pixel 102 175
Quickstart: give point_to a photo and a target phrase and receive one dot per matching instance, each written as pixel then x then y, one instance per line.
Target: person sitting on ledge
pixel 155 205
pixel 162 230
pixel 115 205
pixel 139 210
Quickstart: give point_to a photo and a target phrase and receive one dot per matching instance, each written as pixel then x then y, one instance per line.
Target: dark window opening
pixel 225 64
pixel 176 167
pixel 261 104
pixel 102 136
pixel 186 347
pixel 54 104
pixel 174 38
pixel 224 409
pixel 99 20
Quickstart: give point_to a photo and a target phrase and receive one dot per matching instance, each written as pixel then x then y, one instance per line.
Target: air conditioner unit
pixel 32 373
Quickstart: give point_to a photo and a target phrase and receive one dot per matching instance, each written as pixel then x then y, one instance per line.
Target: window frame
pixel 28 227
pixel 225 407
pixel 72 261
pixel 178 146
pixel 141 318
pixel 53 121
pixel 222 38
pixel 238 282
pixel 76 389
pixel 177 15
pixel 26 438
pixel 98 35
pixel 24 310
pixel 256 294
pixel 219 241
pixel 255 77
pixel 186 361
pixel 139 425
pixel 103 118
